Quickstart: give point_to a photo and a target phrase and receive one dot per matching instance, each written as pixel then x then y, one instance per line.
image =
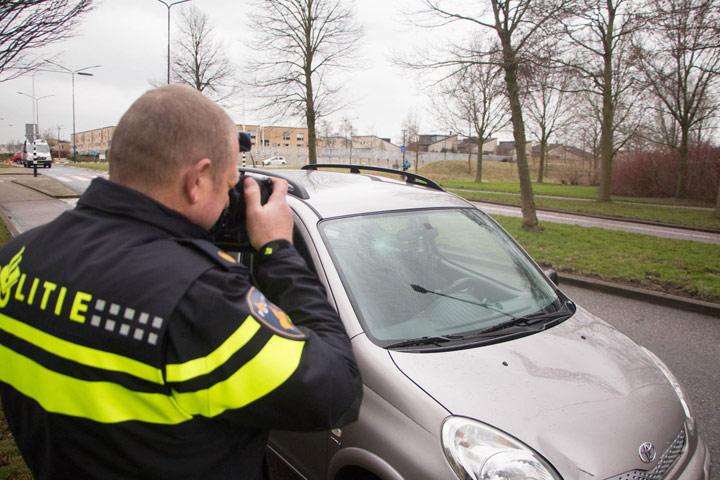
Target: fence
pixel 298 156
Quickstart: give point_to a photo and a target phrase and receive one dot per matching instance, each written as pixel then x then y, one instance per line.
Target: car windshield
pixel 434 273
pixel 42 148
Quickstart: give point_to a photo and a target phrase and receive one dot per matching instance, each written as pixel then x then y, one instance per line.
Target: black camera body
pixel 230 231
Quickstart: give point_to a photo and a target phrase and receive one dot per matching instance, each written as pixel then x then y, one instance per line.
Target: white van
pixel 36 153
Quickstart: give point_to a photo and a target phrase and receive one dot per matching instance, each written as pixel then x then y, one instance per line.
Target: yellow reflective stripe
pixel 79 353
pixel 103 402
pixel 180 372
pixel 269 369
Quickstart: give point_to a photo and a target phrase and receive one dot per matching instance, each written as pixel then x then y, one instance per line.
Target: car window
pixel 437 272
pixel 249 257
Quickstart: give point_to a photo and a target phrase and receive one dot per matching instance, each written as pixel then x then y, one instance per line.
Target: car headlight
pixel 689 416
pixel 477 451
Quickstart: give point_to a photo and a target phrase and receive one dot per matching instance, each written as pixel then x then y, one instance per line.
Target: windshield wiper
pixel 429 340
pixel 424 290
pixel 541 317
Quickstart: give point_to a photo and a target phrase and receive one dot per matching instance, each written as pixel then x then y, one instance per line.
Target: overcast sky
pixel 128 39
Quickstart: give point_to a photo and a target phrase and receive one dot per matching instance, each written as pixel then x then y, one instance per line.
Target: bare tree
pixel 602 32
pixel 680 60
pixel 475 97
pixel 411 135
pixel 547 99
pixel 587 113
pixel 28 25
pixel 201 60
pixel 348 129
pixel 302 43
pixel 520 26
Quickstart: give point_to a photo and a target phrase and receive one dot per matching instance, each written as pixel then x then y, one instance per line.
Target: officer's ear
pixel 198 180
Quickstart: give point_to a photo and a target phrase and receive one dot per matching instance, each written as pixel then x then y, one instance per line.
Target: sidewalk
pixel 650 296
pixel 54 189
pixel 595 215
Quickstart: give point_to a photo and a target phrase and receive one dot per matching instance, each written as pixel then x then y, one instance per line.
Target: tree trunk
pixel 608 113
pixel 478 174
pixel 541 168
pixel 310 114
pixel 312 139
pixel 606 141
pixel 717 203
pixel 469 143
pixel 681 188
pixel 310 119
pixel 530 221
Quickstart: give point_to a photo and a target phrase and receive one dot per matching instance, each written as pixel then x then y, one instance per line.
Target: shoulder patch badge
pixel 226 257
pixel 272 316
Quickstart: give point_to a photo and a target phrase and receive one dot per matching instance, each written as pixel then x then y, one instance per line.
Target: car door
pixel 306 451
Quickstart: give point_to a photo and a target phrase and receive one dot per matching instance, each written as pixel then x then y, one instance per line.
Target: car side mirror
pixel 552 275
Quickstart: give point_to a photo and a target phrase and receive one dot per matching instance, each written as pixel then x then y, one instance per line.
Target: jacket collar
pixel 119 200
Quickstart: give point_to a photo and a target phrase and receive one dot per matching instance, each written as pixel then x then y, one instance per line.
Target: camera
pixel 230 231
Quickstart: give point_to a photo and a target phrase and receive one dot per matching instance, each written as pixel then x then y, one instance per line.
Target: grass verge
pixel 570 191
pixel 103 167
pixel 680 267
pixel 567 191
pixel 12 466
pixel 672 215
pixel 4 233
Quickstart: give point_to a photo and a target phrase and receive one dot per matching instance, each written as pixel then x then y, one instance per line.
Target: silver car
pixel 277 160
pixel 475 365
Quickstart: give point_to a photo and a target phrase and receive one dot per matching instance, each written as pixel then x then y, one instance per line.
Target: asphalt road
pixel 26 208
pixel 76 178
pixel 688 343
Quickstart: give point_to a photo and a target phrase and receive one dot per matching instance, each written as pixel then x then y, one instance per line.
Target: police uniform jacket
pixel 131 347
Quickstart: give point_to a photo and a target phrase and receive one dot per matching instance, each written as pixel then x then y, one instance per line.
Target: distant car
pixel 17 158
pixel 475 364
pixel 277 160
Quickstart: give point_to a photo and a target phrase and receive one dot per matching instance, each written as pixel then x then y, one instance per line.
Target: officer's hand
pixel 272 221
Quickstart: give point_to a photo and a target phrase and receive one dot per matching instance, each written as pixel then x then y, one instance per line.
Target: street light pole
pixel 80 71
pixel 169 5
pixel 36 111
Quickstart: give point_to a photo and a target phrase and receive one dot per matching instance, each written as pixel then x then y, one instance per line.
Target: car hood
pixel 581 394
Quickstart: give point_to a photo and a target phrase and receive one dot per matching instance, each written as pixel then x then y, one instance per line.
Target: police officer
pixel 131 347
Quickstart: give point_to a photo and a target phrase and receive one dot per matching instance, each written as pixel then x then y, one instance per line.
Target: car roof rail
pixel 294 188
pixel 409 177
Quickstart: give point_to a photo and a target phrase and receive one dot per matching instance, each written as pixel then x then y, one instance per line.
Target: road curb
pixel 8 223
pixel 658 298
pixel 48 186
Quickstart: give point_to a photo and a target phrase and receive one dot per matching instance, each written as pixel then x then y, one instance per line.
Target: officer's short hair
pixel 168 128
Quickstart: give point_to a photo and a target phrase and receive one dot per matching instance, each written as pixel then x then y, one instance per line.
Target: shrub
pixel 654 174
pixel 87 158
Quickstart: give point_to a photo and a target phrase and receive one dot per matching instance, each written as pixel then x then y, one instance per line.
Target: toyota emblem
pixel 647 452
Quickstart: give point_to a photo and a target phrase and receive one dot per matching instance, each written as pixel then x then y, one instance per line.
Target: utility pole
pixel 169 5
pixel 59 127
pixel 80 71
